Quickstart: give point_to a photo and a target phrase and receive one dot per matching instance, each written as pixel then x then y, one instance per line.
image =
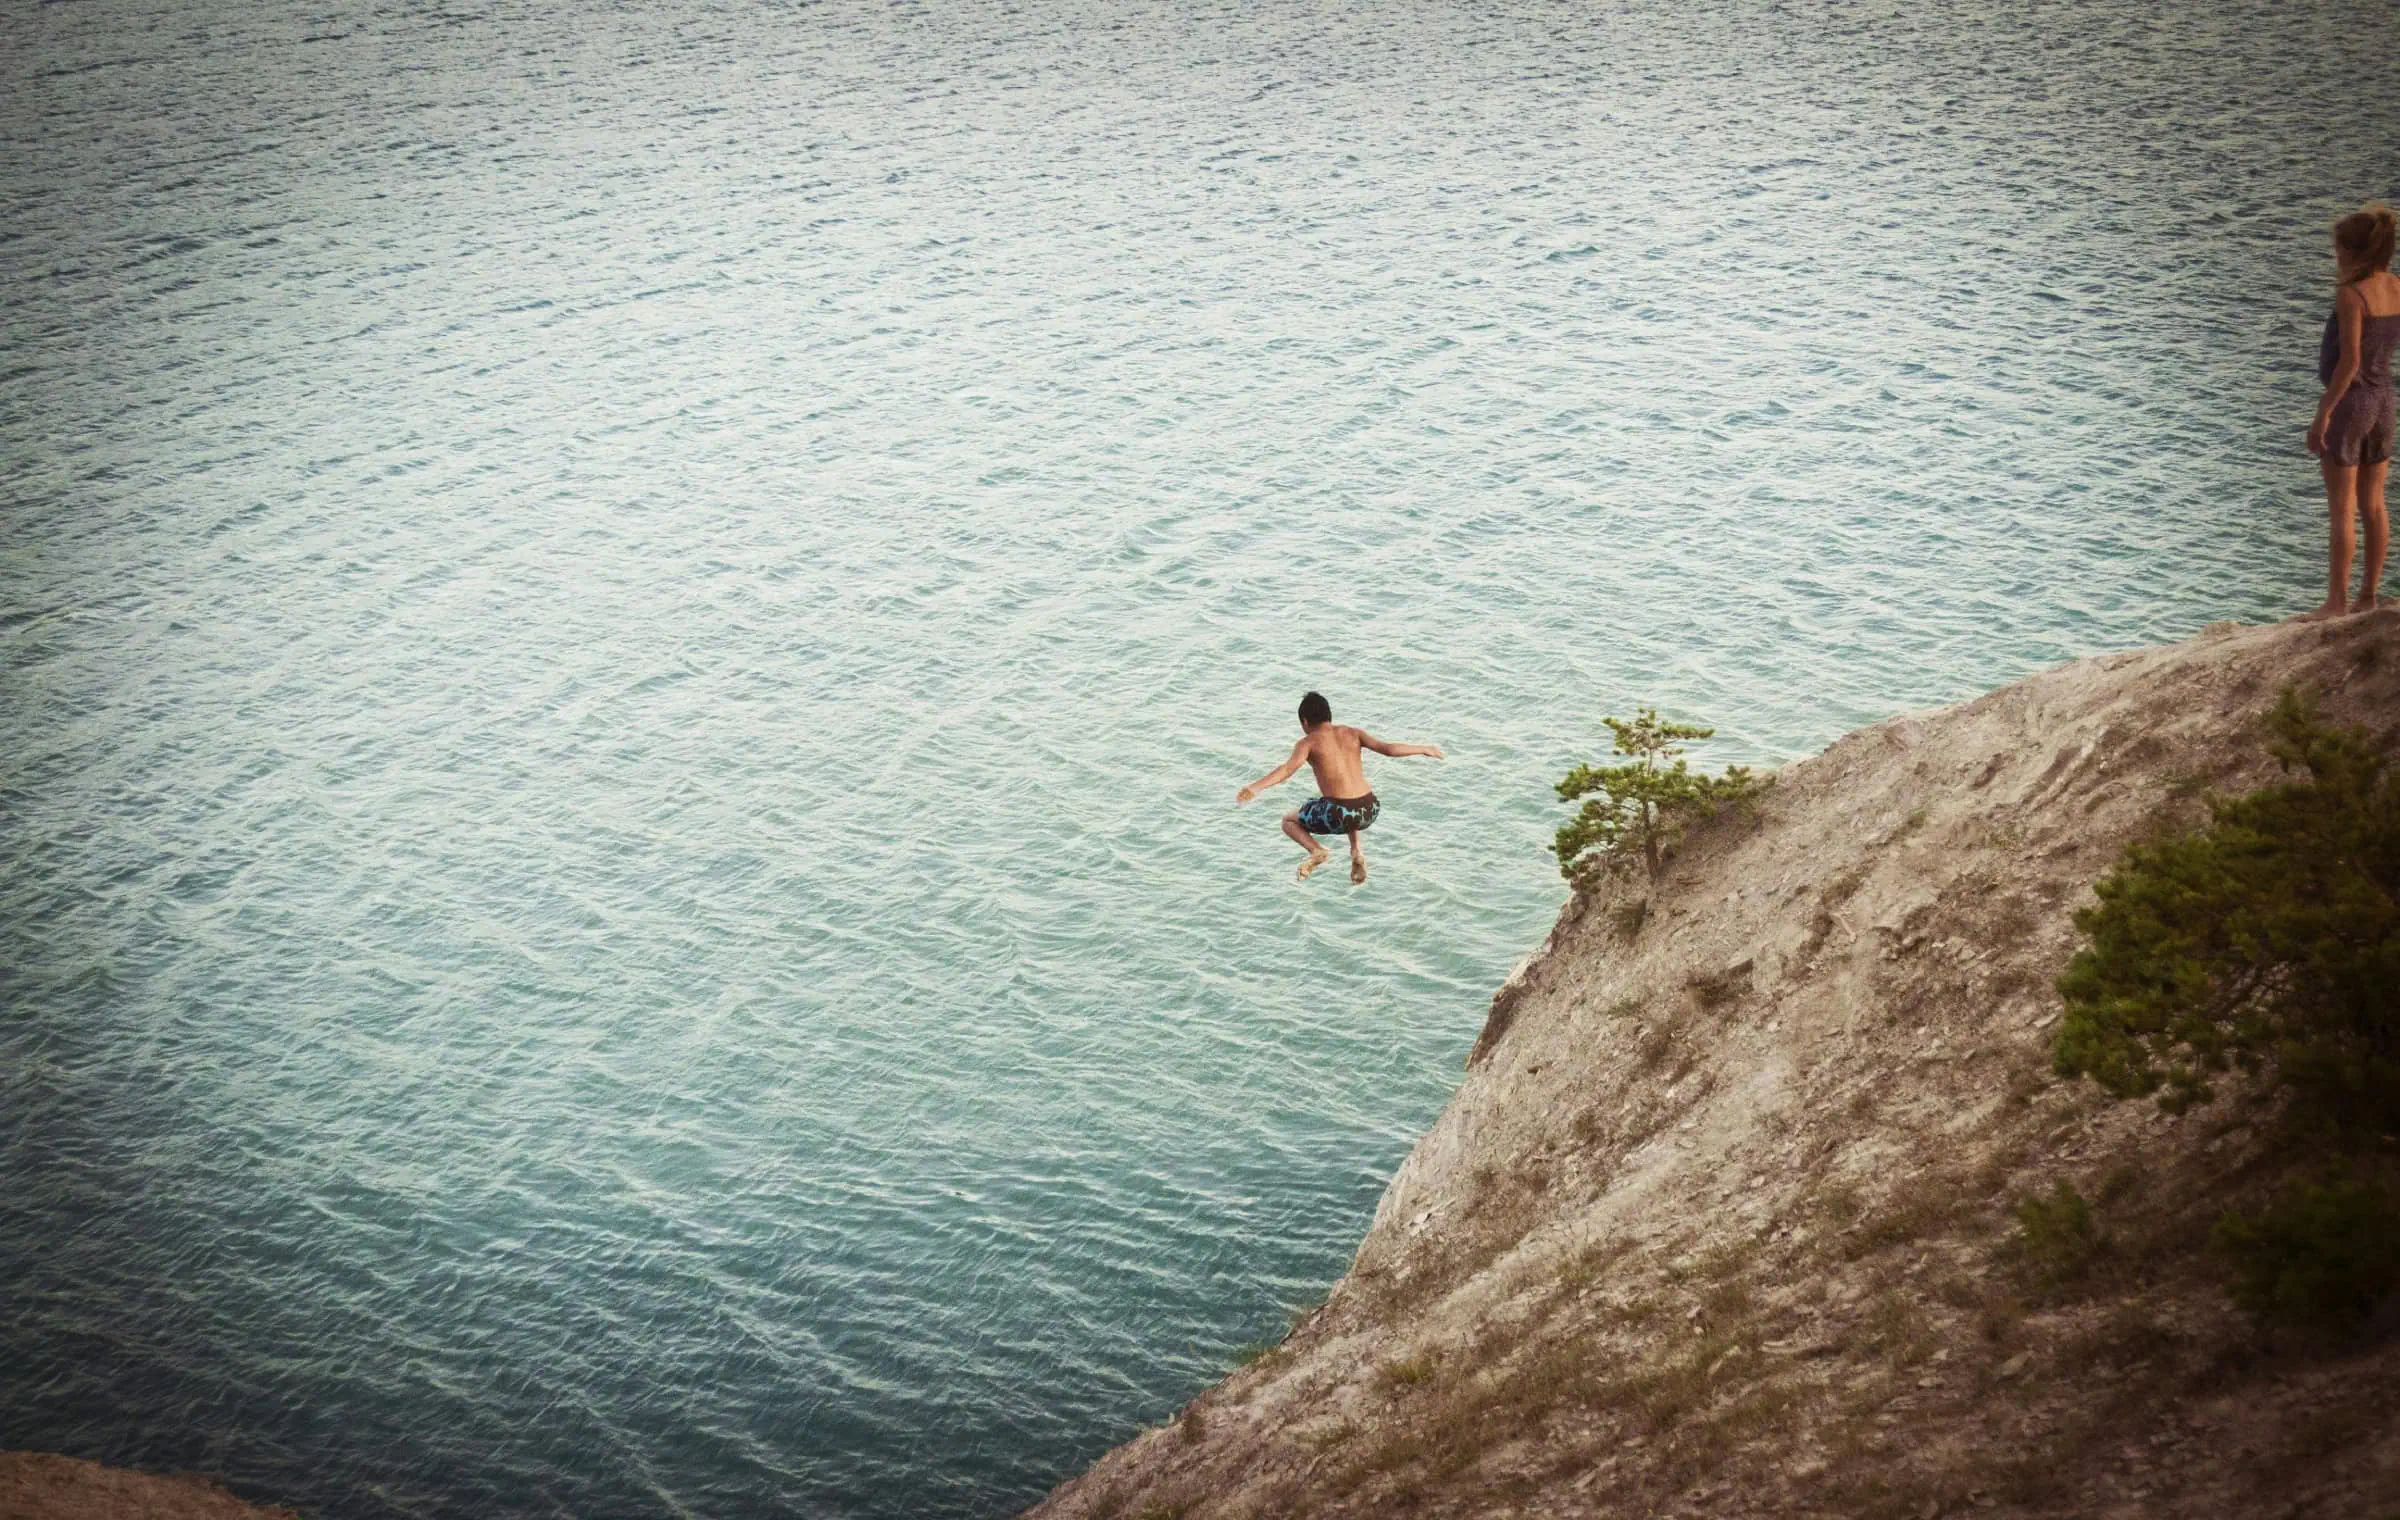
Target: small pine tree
pixel 1637 809
pixel 2269 940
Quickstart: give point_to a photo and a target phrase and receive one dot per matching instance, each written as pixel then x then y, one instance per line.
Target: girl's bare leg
pixel 2379 535
pixel 1317 853
pixel 1358 861
pixel 2341 505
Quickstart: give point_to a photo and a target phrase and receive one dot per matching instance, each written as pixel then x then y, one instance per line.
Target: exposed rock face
pixel 1720 1219
pixel 38 1486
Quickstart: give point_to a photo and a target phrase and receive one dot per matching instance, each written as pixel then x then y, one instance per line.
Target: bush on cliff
pixel 1634 811
pixel 2326 1251
pixel 2268 940
pixel 2057 1235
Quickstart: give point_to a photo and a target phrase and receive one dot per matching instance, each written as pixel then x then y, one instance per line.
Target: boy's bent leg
pixel 1358 861
pixel 1317 853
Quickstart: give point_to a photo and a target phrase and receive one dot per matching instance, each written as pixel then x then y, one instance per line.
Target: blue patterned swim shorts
pixel 1338 815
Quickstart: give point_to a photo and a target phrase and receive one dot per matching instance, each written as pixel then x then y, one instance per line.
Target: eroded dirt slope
pixel 1719 1221
pixel 39 1486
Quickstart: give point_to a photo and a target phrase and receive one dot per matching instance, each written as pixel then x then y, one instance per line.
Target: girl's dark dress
pixel 2359 430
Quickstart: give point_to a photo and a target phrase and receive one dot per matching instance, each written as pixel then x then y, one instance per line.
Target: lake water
pixel 628 632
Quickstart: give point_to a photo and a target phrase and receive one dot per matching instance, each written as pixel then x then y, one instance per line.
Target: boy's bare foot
pixel 2323 611
pixel 1358 871
pixel 2366 604
pixel 1315 859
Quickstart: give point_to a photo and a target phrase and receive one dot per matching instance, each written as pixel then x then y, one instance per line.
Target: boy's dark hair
pixel 1314 710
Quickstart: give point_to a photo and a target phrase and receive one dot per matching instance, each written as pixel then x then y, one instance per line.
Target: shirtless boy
pixel 1344 805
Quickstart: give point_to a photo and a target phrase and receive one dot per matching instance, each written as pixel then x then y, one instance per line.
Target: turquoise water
pixel 628 633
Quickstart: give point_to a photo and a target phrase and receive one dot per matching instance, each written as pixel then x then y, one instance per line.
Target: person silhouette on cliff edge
pixel 1343 804
pixel 2352 433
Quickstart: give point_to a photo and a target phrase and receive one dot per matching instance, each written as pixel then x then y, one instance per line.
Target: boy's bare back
pixel 1332 752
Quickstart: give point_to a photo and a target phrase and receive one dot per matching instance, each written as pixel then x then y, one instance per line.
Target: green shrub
pixel 2325 1252
pixel 2268 940
pixel 2058 1236
pixel 1633 811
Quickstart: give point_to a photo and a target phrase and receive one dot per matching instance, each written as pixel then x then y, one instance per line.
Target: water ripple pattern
pixel 628 632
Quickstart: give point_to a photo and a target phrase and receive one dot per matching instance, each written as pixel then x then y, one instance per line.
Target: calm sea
pixel 627 632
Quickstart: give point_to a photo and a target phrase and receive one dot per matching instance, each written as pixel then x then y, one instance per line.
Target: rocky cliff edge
pixel 1720 1219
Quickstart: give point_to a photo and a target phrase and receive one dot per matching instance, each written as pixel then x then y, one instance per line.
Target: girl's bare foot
pixel 1358 870
pixel 1315 859
pixel 2323 610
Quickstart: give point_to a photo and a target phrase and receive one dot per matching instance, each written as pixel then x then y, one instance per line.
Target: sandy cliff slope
pixel 38 1486
pixel 1719 1221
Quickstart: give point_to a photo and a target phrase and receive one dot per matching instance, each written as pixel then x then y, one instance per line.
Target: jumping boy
pixel 1343 804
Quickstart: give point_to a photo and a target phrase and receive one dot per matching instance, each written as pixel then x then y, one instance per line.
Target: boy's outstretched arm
pixel 1398 750
pixel 1279 775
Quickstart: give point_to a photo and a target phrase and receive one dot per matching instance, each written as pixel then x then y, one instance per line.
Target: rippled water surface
pixel 628 632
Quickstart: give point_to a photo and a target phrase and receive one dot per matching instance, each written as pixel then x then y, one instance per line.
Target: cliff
pixel 39 1486
pixel 1720 1219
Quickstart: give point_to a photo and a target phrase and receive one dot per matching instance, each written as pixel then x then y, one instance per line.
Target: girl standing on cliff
pixel 2352 436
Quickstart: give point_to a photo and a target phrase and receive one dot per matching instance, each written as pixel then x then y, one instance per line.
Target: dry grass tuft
pixel 1897 1328
pixel 1587 1263
pixel 1718 989
pixel 1830 901
pixel 1920 1212
pixel 1628 917
pixel 1327 1437
pixel 1838 1205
